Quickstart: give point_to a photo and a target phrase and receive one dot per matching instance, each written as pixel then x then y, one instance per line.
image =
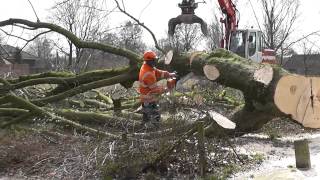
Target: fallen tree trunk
pixel 242 74
pixel 258 82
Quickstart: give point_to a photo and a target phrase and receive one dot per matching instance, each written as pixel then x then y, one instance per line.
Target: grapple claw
pixel 187 17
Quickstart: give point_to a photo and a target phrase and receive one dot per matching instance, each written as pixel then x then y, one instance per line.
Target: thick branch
pixel 132 56
pixel 85 87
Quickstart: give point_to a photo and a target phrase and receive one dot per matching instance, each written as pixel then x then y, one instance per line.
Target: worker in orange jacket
pixel 148 88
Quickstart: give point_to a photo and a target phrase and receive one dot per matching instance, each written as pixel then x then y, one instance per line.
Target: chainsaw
pixel 172 81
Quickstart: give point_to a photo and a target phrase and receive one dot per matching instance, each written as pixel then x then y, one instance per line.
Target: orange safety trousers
pixel 148 88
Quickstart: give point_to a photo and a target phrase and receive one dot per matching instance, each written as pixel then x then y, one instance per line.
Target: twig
pixel 38 20
pixel 141 24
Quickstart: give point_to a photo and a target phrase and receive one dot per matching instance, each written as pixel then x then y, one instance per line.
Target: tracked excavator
pixel 247 43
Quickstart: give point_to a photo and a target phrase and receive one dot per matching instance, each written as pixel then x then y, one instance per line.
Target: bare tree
pixel 280 17
pixel 81 17
pixel 186 38
pixel 43 48
pixel 214 34
pixel 130 37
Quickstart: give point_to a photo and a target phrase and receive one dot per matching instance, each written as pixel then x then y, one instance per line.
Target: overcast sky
pixel 156 13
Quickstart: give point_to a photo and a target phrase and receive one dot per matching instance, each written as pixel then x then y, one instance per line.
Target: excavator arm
pixel 230 20
pixel 188 17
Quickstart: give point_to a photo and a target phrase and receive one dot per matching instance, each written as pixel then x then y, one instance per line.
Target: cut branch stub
pixel 222 120
pixel 194 55
pixel 211 72
pixel 168 57
pixel 299 96
pixel 264 75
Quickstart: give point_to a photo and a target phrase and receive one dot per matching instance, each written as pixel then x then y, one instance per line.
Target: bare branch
pixel 132 56
pixel 35 13
pixel 141 24
pixel 12 35
pixel 304 37
pixel 35 37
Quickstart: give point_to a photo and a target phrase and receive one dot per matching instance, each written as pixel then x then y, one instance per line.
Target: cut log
pixel 222 121
pixel 299 97
pixel 264 75
pixel 211 72
pixel 288 92
pixel 194 55
pixel 168 57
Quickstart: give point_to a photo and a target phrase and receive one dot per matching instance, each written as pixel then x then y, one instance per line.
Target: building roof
pixel 8 52
pixel 305 64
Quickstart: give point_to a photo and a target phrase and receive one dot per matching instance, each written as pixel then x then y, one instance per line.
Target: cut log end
pixel 264 75
pixel 194 55
pixel 299 96
pixel 211 72
pixel 168 57
pixel 222 120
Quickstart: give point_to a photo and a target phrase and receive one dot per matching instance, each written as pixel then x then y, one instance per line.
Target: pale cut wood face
pixel 211 72
pixel 194 55
pixel 168 57
pixel 264 75
pixel 299 96
pixel 222 120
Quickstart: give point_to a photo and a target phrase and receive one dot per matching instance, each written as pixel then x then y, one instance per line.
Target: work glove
pixel 173 74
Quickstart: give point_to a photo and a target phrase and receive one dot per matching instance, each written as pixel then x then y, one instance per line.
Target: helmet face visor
pixel 152 63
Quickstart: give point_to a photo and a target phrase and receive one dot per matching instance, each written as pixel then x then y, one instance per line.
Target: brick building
pixel 14 62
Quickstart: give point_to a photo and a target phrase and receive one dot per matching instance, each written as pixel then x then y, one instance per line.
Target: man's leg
pixel 155 113
pixel 151 113
pixel 146 112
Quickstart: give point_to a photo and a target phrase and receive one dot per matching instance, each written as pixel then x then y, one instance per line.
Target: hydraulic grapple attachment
pixel 187 16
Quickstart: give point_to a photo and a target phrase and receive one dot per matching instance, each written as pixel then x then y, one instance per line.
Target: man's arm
pixel 160 74
pixel 150 81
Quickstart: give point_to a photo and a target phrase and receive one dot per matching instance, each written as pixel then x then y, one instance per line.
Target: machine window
pixel 237 43
pixel 252 46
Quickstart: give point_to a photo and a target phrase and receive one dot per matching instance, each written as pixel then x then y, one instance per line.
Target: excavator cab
pixel 187 17
pixel 247 43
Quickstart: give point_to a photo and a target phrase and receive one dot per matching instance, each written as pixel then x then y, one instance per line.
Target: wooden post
pixel 302 154
pixel 201 149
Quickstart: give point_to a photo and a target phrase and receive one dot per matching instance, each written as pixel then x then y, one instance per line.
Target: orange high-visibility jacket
pixel 148 87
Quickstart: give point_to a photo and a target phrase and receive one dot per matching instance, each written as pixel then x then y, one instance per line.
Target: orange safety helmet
pixel 149 55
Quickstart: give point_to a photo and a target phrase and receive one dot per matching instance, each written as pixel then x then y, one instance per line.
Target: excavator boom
pixel 247 43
